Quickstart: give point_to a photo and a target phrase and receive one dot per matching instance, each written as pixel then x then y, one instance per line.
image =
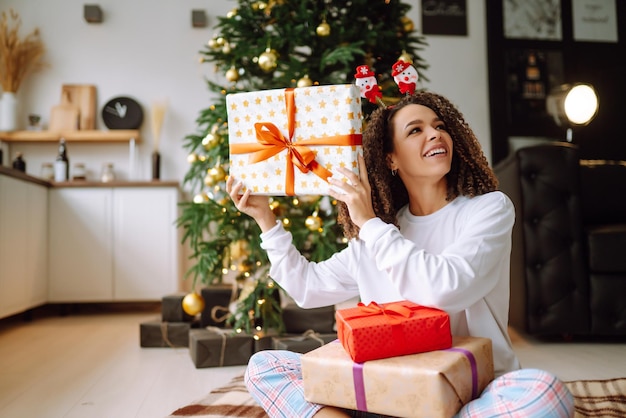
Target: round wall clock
pixel 122 113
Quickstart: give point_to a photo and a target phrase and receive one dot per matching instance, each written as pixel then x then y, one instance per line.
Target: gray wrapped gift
pixel 303 343
pixel 216 300
pixel 172 309
pixel 157 333
pixel 217 347
pixel 298 320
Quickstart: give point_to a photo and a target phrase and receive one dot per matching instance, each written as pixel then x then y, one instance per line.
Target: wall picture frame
pixel 532 19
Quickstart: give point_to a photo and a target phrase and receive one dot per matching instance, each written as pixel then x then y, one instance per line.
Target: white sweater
pixel 456 259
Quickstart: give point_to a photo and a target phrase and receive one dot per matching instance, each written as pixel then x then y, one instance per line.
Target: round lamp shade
pixel 581 104
pixel 572 104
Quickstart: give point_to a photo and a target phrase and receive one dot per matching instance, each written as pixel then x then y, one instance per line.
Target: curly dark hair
pixel 469 175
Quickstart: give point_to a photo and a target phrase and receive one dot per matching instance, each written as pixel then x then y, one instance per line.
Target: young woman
pixel 426 224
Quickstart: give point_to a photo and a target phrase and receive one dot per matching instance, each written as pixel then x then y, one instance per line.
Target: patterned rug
pixel 593 398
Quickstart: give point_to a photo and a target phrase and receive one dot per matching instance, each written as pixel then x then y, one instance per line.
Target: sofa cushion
pixel 601 184
pixel 607 248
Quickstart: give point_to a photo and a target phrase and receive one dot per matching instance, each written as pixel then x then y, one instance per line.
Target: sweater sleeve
pixel 310 284
pixel 465 271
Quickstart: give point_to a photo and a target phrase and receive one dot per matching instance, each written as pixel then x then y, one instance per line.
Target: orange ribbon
pixel 270 141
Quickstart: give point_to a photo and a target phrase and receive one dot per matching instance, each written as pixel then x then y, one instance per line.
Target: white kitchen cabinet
pixel 80 245
pixel 113 243
pixel 145 246
pixel 23 240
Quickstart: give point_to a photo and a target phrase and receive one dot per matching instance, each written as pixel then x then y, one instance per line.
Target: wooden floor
pixel 88 364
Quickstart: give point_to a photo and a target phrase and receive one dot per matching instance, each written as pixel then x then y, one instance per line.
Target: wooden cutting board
pixel 83 96
pixel 64 116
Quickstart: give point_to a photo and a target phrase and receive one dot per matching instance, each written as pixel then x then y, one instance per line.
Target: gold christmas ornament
pixel 192 158
pixel 226 48
pixel 305 81
pixel 232 74
pixel 209 181
pixel 406 57
pixel 313 222
pixel 323 29
pixel 211 140
pixel 217 174
pixel 193 304
pixel 201 198
pixel 232 13
pixel 213 43
pixel 268 60
pixel 407 24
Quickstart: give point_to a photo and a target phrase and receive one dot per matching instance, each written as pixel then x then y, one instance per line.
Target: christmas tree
pixel 271 44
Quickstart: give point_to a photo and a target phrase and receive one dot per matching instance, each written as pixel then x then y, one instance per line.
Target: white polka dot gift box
pixel 286 142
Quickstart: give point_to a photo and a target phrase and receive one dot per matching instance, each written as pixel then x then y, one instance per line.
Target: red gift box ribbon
pixel 359 380
pixel 270 141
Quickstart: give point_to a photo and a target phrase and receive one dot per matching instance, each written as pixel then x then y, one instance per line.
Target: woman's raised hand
pixel 356 193
pixel 255 206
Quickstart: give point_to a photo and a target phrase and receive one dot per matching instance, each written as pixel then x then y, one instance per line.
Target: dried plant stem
pixel 157 115
pixel 18 56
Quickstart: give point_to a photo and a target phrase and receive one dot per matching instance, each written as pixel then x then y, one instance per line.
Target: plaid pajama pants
pixel 274 380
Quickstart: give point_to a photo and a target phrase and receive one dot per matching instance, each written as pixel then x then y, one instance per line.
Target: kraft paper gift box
pixel 286 142
pixel 298 320
pixel 435 384
pixel 375 331
pixel 172 309
pixel 217 347
pixel 304 342
pixel 157 333
pixel 217 298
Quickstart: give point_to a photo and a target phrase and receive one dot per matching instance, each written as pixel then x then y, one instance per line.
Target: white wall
pixel 148 50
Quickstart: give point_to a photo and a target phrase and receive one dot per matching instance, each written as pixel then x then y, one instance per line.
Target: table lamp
pixel 572 105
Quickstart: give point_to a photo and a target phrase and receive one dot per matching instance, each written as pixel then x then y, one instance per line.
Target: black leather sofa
pixel 568 262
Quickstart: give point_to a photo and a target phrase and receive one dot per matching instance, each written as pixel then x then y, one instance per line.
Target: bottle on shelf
pixel 62 164
pixel 19 163
pixel 108 175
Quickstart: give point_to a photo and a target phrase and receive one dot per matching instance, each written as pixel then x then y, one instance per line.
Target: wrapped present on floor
pixel 286 142
pixel 157 333
pixel 435 384
pixel 218 347
pixel 370 332
pixel 302 343
pixel 216 300
pixel 172 309
pixel 298 320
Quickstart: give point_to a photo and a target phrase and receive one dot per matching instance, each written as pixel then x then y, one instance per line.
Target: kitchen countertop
pixel 10 172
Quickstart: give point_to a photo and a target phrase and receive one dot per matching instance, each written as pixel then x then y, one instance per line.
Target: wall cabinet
pixel 23 245
pixel 113 244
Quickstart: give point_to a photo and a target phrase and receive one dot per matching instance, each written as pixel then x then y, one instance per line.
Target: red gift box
pixel 371 332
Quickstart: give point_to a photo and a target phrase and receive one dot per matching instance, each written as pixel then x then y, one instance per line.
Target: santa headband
pixel 404 74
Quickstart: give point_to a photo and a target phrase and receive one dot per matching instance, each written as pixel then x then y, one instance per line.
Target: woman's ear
pixel 390 162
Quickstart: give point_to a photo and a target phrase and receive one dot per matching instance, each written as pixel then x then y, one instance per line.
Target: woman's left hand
pixel 356 193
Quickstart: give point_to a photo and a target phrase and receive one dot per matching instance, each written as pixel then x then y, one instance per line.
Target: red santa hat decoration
pixel 405 76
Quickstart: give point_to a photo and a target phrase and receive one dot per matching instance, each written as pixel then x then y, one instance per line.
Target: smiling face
pixel 422 148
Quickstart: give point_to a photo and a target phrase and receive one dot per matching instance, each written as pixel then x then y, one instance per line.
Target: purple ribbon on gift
pixel 359 381
pixel 473 366
pixel 359 386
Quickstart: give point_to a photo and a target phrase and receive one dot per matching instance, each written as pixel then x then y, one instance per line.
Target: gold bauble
pixel 232 13
pixel 193 304
pixel 323 29
pixel 232 74
pixel 407 24
pixel 217 174
pixel 313 222
pixel 209 180
pixel 211 140
pixel 226 48
pixel 268 60
pixel 192 158
pixel 213 43
pixel 406 57
pixel 305 81
pixel 201 198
